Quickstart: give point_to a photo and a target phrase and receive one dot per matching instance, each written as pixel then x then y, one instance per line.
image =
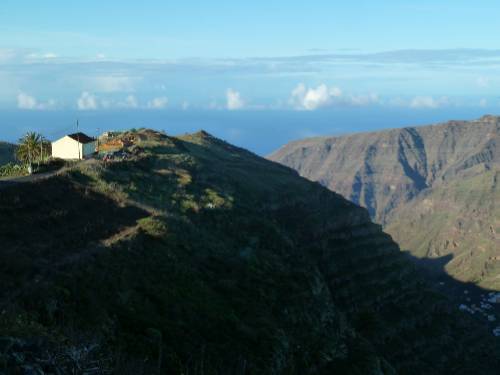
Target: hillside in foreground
pixel 198 257
pixel 434 188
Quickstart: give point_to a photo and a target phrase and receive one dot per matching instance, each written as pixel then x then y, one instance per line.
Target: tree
pixel 45 149
pixel 30 149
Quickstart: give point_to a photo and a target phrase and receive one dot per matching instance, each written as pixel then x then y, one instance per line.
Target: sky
pixel 295 58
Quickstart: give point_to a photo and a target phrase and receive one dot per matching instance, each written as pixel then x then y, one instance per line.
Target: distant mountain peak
pixel 490 118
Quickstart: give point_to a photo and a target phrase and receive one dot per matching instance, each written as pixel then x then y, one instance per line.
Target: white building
pixel 74 146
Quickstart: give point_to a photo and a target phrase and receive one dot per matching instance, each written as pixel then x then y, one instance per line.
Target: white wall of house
pixel 68 148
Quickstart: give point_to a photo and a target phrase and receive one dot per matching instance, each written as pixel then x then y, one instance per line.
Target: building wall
pixel 89 149
pixel 68 148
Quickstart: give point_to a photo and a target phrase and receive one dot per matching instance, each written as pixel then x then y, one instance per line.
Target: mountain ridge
pixel 6 152
pixel 389 170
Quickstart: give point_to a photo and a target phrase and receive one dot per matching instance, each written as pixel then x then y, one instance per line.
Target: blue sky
pixel 249 56
pixel 177 29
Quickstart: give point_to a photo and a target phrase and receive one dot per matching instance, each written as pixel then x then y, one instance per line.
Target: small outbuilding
pixel 75 146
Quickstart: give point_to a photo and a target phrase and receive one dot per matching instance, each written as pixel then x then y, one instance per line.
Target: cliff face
pixel 433 187
pixel 197 256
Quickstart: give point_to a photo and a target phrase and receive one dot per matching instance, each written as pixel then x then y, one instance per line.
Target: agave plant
pixel 31 148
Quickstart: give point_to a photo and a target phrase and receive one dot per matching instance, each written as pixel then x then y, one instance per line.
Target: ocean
pixel 259 131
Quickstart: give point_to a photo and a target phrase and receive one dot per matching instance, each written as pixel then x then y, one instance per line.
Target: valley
pixel 433 188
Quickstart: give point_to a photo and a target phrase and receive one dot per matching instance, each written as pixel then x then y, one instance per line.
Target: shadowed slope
pixel 6 153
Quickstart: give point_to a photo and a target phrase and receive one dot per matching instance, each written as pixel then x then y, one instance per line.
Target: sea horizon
pixel 261 132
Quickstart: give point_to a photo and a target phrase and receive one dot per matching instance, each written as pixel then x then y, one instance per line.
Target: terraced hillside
pixel 194 256
pixel 434 188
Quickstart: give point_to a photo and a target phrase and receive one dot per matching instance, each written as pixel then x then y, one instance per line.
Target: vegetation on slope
pixel 7 152
pixel 462 220
pixel 432 187
pixel 19 160
pixel 199 257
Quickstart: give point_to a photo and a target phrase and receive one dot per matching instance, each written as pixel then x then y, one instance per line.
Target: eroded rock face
pixel 434 188
pixel 383 170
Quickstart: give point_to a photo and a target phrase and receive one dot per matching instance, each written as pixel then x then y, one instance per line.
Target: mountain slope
pixel 197 256
pixel 462 220
pixel 6 153
pixel 396 174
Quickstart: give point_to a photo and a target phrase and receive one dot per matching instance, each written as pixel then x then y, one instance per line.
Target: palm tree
pixel 30 149
pixel 45 149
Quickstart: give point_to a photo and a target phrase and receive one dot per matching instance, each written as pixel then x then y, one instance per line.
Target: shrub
pixel 12 170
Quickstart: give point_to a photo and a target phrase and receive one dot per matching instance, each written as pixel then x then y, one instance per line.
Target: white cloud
pixel 158 103
pixel 234 100
pixel 428 102
pixel 25 101
pixel 40 56
pixel 185 105
pixel 421 102
pixel 88 101
pixel 483 103
pixel 49 55
pixel 313 98
pixel 131 102
pixel 310 99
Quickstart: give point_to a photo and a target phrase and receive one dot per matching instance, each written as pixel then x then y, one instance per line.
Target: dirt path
pixel 6 182
pixel 10 181
pixel 95 248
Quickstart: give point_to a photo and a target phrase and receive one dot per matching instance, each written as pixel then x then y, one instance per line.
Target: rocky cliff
pixel 434 187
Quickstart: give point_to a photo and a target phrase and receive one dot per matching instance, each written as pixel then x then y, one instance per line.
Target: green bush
pixel 12 170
